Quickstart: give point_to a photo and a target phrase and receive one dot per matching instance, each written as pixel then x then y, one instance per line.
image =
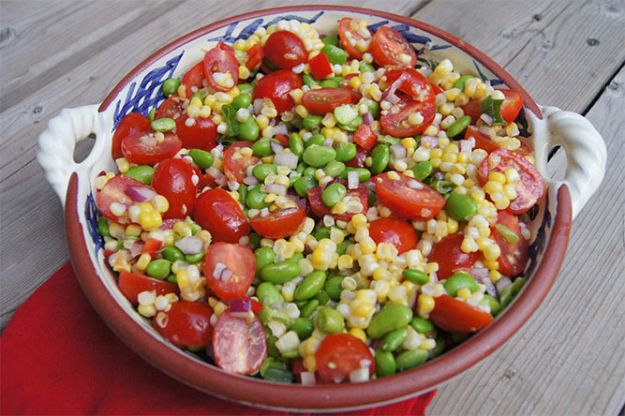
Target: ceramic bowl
pixel 140 90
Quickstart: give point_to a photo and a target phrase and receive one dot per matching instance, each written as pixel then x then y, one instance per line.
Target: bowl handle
pixel 585 151
pixel 58 141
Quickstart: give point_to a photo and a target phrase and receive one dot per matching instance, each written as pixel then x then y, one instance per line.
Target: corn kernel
pixel 425 305
pixel 358 333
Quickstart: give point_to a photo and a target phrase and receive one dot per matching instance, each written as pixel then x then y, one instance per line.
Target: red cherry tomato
pixel 412 83
pixel 284 140
pixel 121 189
pixel 152 247
pixel 346 33
pixel 285 50
pixel 276 86
pixel 359 160
pixel 280 223
pixel 395 231
pixel 131 284
pixel 186 324
pixel 389 48
pixel 450 257
pixel 320 66
pixel 340 354
pixel 147 150
pixel 173 179
pixel 511 106
pixel 132 125
pixel 254 57
pixel 472 108
pixel 193 79
pixel 514 256
pixel 220 59
pixel 396 123
pixel 170 108
pixel 235 167
pixel 201 134
pixel 324 100
pixel 239 344
pixel 240 268
pixel 216 211
pixel 454 315
pixel 408 197
pixel 365 137
pixel 320 210
pixel 482 141
pixel 529 189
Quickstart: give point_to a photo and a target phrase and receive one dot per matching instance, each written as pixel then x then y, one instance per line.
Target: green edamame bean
pixel 303 327
pixel 335 54
pixel 329 320
pixel 152 114
pixel 311 122
pixel 264 256
pixel 422 325
pixel 172 278
pixel 309 172
pixel 508 293
pixel 394 339
pixel 255 198
pixel 159 269
pixel 173 254
pixel 263 170
pixel 142 173
pixel 342 248
pixel 322 232
pixel 416 276
pixel 296 144
pixel 201 158
pixel 460 207
pixel 346 152
pixel 245 88
pixel 254 240
pixel 194 258
pixel 318 156
pixel 268 294
pixel 422 169
pixel 262 148
pixel 459 281
pixel 310 286
pixel 103 227
pixel 308 79
pixel 242 193
pixel 242 101
pixel 163 124
pixel 280 272
pixel 333 193
pixel 195 228
pixel 380 156
pixel 331 40
pixel 249 130
pixel 170 86
pixel 373 108
pixel 309 308
pixel 365 67
pixel 322 297
pixel 333 287
pixel 334 168
pixel 438 348
pixel 352 125
pixel 442 186
pixel 363 174
pixel 493 304
pixel 385 364
pixel 303 184
pixel 269 362
pixel 458 126
pixel 198 95
pixel 509 235
pixel 461 81
pixel 389 318
pixel 272 350
pixel 315 139
pixel 330 83
pixel 411 359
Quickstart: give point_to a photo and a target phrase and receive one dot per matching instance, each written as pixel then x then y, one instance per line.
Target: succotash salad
pixel 320 208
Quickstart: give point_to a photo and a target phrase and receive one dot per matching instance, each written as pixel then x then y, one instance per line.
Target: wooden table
pixel 568 359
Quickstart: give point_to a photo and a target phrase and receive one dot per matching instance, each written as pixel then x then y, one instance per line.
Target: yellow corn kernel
pixel 384 212
pixel 143 261
pixel 244 73
pixel 219 308
pixel 359 220
pixel 452 226
pixel 367 245
pixel 381 274
pixel 358 333
pixel 150 220
pixel 362 309
pixel 497 177
pixel 492 252
pixel 355 82
pixel 122 164
pixel 464 293
pixel 301 111
pixel 345 262
pixel 133 230
pixel 493 187
pixel 393 175
pixel 494 276
pixel 182 228
pixel 425 305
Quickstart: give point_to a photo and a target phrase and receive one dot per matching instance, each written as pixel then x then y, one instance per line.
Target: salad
pixel 320 208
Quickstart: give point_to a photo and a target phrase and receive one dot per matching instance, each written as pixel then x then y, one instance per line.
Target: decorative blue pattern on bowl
pixel 92 215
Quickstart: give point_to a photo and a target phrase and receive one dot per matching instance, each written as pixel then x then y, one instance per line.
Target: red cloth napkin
pixel 58 357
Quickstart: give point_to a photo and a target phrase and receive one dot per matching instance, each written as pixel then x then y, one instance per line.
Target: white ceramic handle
pixel 58 141
pixel 585 152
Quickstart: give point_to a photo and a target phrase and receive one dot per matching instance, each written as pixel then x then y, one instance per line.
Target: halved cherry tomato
pixel 280 223
pixel 396 124
pixel 390 48
pixel 285 49
pixel 235 168
pixel 239 344
pixel 193 79
pixel 123 190
pixel 408 197
pixel 340 354
pixel 254 57
pixel 229 269
pixel 152 247
pixel 359 160
pixel 482 141
pixel 131 284
pixel 514 256
pixel 201 134
pixel 395 231
pixel 284 140
pixel 257 307
pixel 325 100
pixel 320 210
pixel 365 137
pixel 320 66
pixel 186 324
pixel 173 179
pixel 147 150
pixel 450 257
pixel 529 189
pixel 346 33
pixel 220 59
pixel 472 109
pixel 132 125
pixel 412 83
pixel 276 86
pixel 454 315
pixel 216 211
pixel 170 108
pixel 511 106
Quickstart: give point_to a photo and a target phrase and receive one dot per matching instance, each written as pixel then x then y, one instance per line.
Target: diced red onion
pixel 466 146
pixel 367 118
pixel 276 188
pixel 432 141
pixel 240 308
pixel 328 142
pixel 307 378
pixel 389 93
pixel 273 122
pixel 135 247
pixel 481 275
pixel 287 159
pixel 439 176
pixel 140 193
pixel 502 283
pixel 486 119
pixel 275 147
pixel 484 130
pixel 250 181
pixel 258 105
pixel 190 245
pixel 352 180
pixel 434 278
pixel 281 129
pixel 399 151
